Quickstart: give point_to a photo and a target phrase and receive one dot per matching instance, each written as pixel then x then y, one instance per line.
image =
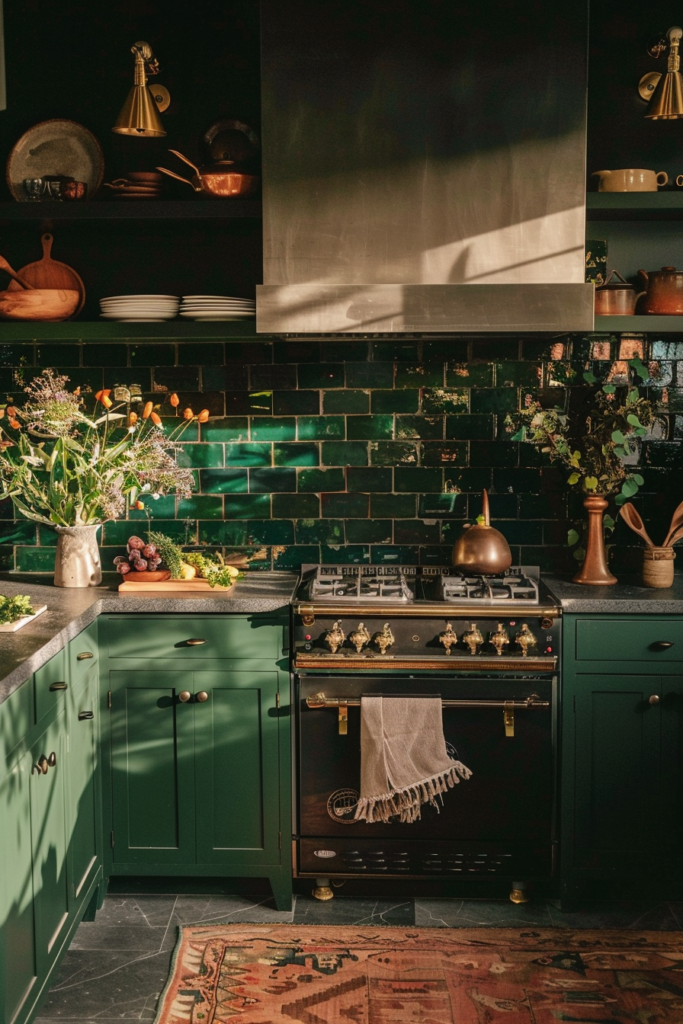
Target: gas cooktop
pixel 410 585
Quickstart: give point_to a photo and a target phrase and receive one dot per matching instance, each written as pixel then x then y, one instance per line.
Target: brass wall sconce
pixel 140 113
pixel 664 93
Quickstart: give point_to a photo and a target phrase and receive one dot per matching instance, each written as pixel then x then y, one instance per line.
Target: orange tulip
pixel 174 400
pixel 188 414
pixel 132 419
pixel 156 419
pixel 147 411
pixel 103 397
pixel 11 411
pixel 107 402
pixel 15 423
pixel 2 413
pixel 203 416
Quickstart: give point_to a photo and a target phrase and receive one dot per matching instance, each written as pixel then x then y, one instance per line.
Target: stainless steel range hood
pixel 423 167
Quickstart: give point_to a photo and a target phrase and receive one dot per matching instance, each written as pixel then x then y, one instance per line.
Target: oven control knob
pixel 546 622
pixel 473 638
pixel 334 637
pixel 384 639
pixel 448 638
pixel 525 639
pixel 499 639
pixel 360 637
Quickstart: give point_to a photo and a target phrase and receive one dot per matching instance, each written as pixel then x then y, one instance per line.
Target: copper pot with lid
pixel 480 550
pixel 616 298
pixel 664 295
pixel 222 179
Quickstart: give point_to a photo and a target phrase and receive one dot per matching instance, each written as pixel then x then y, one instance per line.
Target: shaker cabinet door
pixel 152 759
pixel 237 769
pixel 84 805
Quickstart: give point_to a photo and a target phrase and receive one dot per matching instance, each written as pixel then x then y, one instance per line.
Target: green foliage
pixel 213 570
pixel 171 554
pixel 13 608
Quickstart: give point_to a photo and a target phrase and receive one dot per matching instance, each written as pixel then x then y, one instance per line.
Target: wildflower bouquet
pixel 65 468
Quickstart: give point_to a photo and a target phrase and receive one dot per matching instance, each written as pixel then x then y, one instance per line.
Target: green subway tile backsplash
pixel 356 451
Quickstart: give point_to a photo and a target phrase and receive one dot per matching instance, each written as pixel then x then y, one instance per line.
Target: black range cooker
pixel 489 647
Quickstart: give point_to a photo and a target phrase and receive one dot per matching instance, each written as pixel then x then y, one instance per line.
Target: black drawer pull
pixel 661 645
pixel 84 656
pixel 195 642
pixel 85 716
pixel 58 686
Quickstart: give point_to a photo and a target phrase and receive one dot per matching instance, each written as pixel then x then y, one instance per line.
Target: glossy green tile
pixel 268 481
pixel 321 375
pixel 247 506
pixel 311 428
pixel 494 400
pixel 345 506
pixel 273 531
pixel 201 507
pixel 47 354
pixel 518 374
pixel 450 400
pixel 347 554
pixel 395 351
pixel 344 453
pixel 175 378
pixel 434 554
pixel 522 532
pixel 296 555
pixel 272 377
pixel 416 531
pixel 493 453
pixel 469 375
pixel 105 355
pixel 201 455
pixel 519 480
pixel 298 351
pixel 22 531
pixel 227 428
pixel 34 559
pixel 319 531
pixel 385 554
pixel 318 480
pixel 446 349
pixel 296 403
pixel 443 453
pixel 393 453
pixel 118 531
pixel 345 401
pixel 393 506
pixel 436 506
pixel 6 558
pixel 225 378
pixel 249 454
pixel 494 349
pixel 156 355
pixel 281 428
pixel 370 375
pixel 476 426
pixel 200 353
pixel 163 507
pixel 395 401
pixel 428 427
pixel 543 506
pixel 369 531
pixel 502 506
pixel 229 534
pixel 369 428
pixel 23 355
pixel 417 479
pixel 296 506
pixel 296 454
pixel 223 481
pixel 369 478
pixel 48 538
pixel 419 375
pixel 244 403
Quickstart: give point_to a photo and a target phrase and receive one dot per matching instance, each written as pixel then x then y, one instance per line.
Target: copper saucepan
pixel 217 180
pixel 480 550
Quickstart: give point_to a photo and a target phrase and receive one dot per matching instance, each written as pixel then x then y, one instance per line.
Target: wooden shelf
pixel 638 324
pixel 171 330
pixel 152 209
pixel 634 205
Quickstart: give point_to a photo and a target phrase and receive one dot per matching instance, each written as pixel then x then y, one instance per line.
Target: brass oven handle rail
pixel 450 610
pixel 320 700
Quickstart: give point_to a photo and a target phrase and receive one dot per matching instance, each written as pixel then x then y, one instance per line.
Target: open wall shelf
pixel 166 331
pixel 637 324
pixel 634 205
pixel 145 209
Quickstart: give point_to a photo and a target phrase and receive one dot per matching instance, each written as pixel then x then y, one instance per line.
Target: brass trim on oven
pixel 452 664
pixel 427 610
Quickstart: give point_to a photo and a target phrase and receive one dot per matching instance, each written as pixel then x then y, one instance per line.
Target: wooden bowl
pixel 158 576
pixel 48 304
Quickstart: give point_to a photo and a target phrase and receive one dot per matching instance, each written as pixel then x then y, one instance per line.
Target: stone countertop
pixel 627 597
pixel 70 610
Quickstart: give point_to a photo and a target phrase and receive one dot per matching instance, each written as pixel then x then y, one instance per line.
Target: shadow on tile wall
pixel 369 451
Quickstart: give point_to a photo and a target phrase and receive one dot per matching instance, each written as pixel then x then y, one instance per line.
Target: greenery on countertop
pixel 13 608
pixel 214 569
pixel 171 554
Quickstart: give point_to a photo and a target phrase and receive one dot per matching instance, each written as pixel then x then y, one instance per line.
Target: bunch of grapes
pixel 141 557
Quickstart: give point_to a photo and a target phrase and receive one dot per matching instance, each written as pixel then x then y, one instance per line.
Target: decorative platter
pixel 55 147
pixel 12 627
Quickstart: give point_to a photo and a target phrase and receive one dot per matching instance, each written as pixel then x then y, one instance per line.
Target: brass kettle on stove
pixel 480 550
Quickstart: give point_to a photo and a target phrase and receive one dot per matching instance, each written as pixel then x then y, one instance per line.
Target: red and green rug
pixel 277 974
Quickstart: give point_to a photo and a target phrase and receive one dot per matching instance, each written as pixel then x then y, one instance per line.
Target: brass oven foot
pixel 518 893
pixel 323 890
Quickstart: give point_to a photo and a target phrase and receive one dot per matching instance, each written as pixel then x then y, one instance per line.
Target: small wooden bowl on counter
pixel 157 576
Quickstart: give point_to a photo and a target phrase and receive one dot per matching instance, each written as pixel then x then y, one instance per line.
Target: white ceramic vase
pixel 77 563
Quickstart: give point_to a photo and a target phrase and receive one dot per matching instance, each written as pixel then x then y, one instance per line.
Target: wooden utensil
pixel 4 265
pixel 47 304
pixel 49 273
pixel 674 538
pixel 676 523
pixel 631 517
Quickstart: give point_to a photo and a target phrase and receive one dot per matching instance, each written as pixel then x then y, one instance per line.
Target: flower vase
pixel 77 563
pixel 594 571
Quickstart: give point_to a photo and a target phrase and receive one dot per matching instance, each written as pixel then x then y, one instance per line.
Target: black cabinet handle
pixel 84 656
pixel 85 716
pixel 58 686
pixel 661 645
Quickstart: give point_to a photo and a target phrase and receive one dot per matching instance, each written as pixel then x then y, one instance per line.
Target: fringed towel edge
pixel 406 803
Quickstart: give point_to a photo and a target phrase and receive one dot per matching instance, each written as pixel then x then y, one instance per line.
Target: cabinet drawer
pixel 83 652
pixel 51 675
pixel 171 636
pixel 630 639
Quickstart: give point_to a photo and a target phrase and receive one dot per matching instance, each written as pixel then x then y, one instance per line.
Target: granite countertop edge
pixel 626 597
pixel 32 646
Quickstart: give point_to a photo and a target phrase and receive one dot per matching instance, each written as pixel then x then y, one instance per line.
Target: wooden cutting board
pixel 175 586
pixel 49 273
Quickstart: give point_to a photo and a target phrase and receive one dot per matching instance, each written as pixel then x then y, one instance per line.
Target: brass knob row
pixel 184 696
pixel 360 638
pixel 498 638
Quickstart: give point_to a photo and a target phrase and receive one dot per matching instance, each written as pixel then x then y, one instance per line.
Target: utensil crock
pixel 664 292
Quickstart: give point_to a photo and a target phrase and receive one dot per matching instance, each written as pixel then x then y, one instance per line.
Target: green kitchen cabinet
pixel 622 753
pixel 199 739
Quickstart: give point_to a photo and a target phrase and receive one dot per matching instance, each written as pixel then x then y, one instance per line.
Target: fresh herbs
pixel 13 608
pixel 190 564
pixel 171 554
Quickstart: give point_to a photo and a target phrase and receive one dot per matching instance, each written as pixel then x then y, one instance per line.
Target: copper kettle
pixel 480 550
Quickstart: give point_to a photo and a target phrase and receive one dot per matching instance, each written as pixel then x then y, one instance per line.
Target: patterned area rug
pixel 277 974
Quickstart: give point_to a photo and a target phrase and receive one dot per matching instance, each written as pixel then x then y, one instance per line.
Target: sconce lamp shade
pixel 140 114
pixel 667 99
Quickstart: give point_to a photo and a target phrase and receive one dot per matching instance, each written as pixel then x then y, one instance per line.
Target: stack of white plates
pixel 139 308
pixel 217 307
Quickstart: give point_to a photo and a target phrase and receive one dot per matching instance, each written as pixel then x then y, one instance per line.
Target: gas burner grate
pixel 490 589
pixel 349 586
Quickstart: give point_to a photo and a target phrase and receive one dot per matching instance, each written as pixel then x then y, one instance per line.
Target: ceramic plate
pixel 134 319
pixel 216 316
pixel 222 298
pixel 111 298
pixel 55 147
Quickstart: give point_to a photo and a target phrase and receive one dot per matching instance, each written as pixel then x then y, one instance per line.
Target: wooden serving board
pixel 175 586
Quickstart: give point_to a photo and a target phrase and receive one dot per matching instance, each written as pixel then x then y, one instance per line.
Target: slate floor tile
pixel 436 913
pixel 191 910
pixel 147 911
pixel 341 910
pixel 651 916
pixel 136 938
